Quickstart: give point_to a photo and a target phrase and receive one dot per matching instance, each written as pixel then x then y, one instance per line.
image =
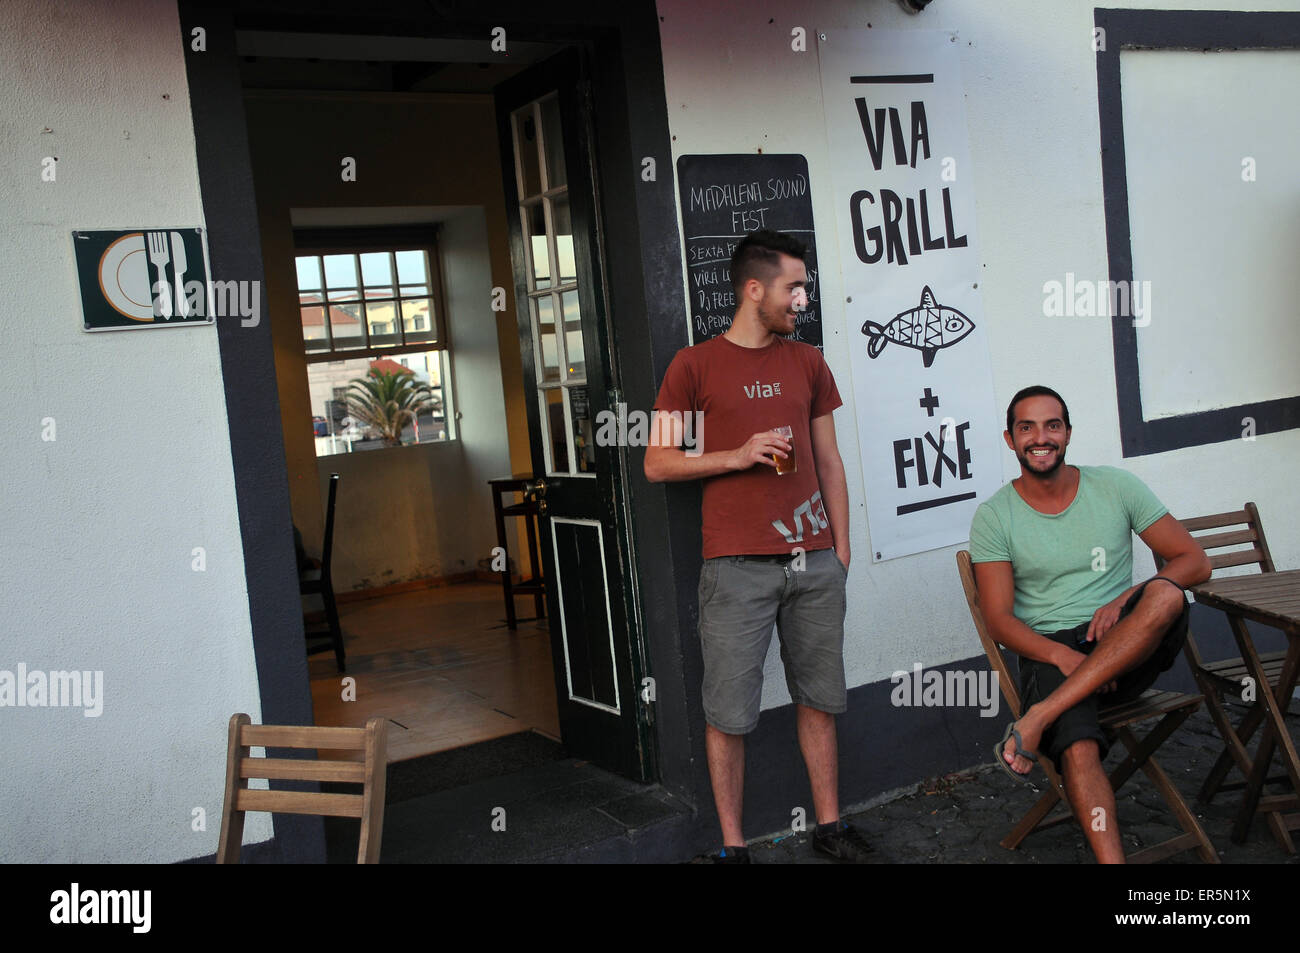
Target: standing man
pixel 775 526
pixel 1053 555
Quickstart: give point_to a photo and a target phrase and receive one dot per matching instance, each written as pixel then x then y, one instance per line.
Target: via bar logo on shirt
pixel 816 513
pixel 760 389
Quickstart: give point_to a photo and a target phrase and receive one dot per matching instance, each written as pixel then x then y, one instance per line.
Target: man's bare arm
pixel 1185 563
pixel 997 590
pixel 1185 560
pixel 667 462
pixel 834 486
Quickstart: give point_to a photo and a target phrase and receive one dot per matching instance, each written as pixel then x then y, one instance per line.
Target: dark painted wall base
pixel 884 747
pixel 267 852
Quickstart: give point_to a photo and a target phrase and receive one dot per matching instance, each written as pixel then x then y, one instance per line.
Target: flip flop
pixel 1020 750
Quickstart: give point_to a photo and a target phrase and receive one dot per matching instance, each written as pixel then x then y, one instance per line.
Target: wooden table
pixel 528 510
pixel 1272 599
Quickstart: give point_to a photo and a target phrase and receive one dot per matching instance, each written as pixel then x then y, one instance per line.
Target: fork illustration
pixel 160 257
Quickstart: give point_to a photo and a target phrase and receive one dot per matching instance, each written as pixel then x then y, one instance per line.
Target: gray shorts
pixel 740 599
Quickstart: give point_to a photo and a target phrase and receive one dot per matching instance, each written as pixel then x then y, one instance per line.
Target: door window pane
pixel 563 225
pixel 538 251
pixel 548 357
pixel 554 143
pixel 584 444
pixel 574 353
pixel 530 177
pixel 557 435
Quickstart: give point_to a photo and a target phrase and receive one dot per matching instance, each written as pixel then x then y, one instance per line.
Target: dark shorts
pixel 741 598
pixel 1040 679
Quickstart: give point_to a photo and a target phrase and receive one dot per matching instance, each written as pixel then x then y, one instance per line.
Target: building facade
pixel 148 511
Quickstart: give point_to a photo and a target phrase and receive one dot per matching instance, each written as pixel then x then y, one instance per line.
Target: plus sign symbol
pixel 929 402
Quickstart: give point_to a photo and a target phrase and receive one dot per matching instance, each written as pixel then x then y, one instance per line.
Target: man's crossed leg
pixel 1061 713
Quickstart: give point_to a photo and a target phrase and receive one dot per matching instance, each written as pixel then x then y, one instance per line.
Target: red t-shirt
pixel 743 391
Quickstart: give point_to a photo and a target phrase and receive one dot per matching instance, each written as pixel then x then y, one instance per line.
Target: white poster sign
pixel 928 427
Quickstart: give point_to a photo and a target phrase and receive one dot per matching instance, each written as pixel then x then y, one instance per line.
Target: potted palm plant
pixel 386 401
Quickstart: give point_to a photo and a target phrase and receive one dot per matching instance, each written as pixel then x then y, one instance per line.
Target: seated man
pixel 1053 555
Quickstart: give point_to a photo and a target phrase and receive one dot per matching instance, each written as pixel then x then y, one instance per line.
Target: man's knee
pixel 1162 603
pixel 1080 754
pixel 814 715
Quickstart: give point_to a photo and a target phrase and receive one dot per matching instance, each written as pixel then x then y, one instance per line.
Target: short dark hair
pixel 1038 390
pixel 759 256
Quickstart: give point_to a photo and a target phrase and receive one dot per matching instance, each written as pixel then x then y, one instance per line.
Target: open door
pixel 544 123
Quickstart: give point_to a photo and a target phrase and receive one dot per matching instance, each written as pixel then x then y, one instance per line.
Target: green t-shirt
pixel 1066 565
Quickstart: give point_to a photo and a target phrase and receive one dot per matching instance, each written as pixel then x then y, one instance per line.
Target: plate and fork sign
pixel 143 277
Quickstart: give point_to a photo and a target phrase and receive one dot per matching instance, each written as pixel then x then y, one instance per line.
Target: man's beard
pixel 773 320
pixel 1025 459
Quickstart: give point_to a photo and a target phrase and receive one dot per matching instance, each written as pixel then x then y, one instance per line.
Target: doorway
pixel 644 322
pixel 355 175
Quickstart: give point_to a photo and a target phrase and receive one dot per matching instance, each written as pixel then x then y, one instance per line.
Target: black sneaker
pixel 845 843
pixel 728 855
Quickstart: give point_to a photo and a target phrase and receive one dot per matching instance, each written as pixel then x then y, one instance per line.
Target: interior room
pixel 382 253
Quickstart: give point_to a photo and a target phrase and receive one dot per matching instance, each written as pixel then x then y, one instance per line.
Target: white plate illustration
pixel 124 277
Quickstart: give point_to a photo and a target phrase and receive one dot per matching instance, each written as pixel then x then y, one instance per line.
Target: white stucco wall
pixel 476 366
pixel 734 85
pixel 98 525
pixel 1215 223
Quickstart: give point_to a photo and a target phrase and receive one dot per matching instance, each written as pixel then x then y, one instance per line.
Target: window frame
pixel 360 240
pixel 545 197
pixel 1217 30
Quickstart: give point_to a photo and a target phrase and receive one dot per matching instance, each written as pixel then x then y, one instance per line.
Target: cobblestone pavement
pixel 960 818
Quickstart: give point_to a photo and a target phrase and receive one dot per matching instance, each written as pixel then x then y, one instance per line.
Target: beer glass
pixel 789 464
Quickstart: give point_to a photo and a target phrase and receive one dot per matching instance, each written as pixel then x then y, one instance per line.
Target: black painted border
pixel 1170 30
pixel 252 406
pixel 363 236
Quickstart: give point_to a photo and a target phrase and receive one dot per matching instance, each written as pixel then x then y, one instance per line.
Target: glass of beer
pixel 789 464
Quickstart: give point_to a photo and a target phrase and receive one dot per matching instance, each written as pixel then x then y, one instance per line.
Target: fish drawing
pixel 925 328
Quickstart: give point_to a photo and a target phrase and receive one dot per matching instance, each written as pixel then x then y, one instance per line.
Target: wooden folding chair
pixel 1173 708
pixel 371 774
pixel 1218 680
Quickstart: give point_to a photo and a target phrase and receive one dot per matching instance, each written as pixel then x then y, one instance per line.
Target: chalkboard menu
pixel 723 198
